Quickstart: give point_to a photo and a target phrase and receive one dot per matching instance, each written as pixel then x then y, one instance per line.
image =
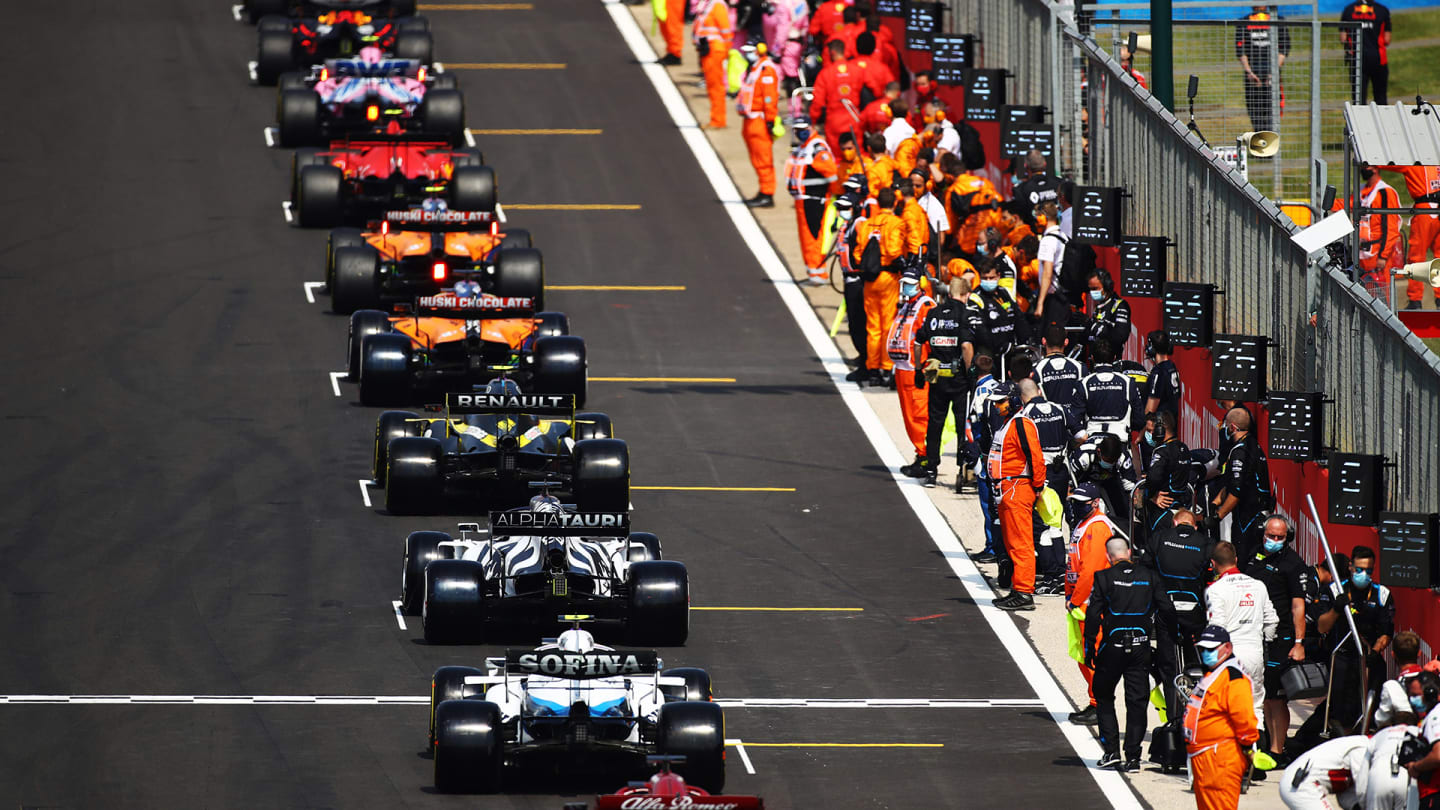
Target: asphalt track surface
pixel 182 514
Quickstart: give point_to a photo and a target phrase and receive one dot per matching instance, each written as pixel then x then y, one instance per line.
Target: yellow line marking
pixel 619 287
pixel 504 65
pixel 475 6
pixel 720 489
pixel 785 609
pixel 749 744
pixel 537 131
pixel 665 379
pixel 570 207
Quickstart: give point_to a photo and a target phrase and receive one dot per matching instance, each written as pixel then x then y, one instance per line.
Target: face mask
pixel 1105 465
pixel 1150 438
pixel 909 288
pixel 848 154
pixel 980 247
pixel 1417 702
pixel 1097 295
pixel 1274 546
pixel 989 284
pixel 1210 658
pixel 1360 579
pixel 1367 174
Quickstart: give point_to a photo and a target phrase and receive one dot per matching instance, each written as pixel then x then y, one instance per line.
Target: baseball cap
pixel 1213 637
pixel 1085 492
pixel 912 271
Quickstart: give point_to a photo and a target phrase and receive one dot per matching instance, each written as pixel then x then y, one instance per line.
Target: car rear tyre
pixel 390 426
pixel 413 483
pixel 516 238
pixel 552 324
pixel 299 118
pixel 560 367
pixel 357 275
pixel 384 368
pixel 319 201
pixel 697 685
pixel 520 273
pixel 643 547
pixel 292 80
pixel 443 113
pixel 340 237
pixel 421 549
pixel 602 475
pixel 412 24
pixel 453 610
pixel 448 683
pixel 695 731
pixel 659 610
pixel 469 752
pixel 417 45
pixel 363 323
pixel 275 51
pixel 260 10
pixel 593 425
pixel 472 188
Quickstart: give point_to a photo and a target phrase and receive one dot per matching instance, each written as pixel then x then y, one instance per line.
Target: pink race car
pixel 369 94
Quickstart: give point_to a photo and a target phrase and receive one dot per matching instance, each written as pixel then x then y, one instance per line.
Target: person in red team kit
pixel 838 84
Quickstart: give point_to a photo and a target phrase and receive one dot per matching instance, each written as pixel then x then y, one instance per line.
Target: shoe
pixel 1085 717
pixel 888 379
pixel 817 278
pixel 1110 759
pixel 669 60
pixel 1132 765
pixel 1257 775
pixel 1413 305
pixel 876 379
pixel 984 557
pixel 1049 587
pixel 859 375
pixel 915 469
pixel 761 201
pixel 1017 601
pixel 931 479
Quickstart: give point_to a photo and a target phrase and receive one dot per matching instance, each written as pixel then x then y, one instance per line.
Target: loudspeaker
pixel 1260 144
pixel 1424 271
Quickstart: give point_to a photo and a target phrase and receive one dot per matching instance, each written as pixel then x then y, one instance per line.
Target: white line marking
pixel 1110 782
pixel 270 137
pixel 399 614
pixel 335 377
pixel 365 492
pixel 744 757
pixel 253 68
pixel 469 138
pixel 289 214
pixel 372 700
pixel 500 213
pixel 236 11
pixel 310 288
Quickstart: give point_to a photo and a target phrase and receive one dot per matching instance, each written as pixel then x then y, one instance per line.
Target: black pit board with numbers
pixel 1190 313
pixel 984 94
pixel 1097 216
pixel 922 20
pixel 1238 368
pixel 950 55
pixel 1017 138
pixel 1142 266
pixel 1357 488
pixel 890 8
pixel 1407 549
pixel 1296 425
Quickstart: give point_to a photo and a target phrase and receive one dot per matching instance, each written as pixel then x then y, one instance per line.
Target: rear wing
pixel 622 801
pixel 560 524
pixel 418 219
pixel 553 405
pixel 474 307
pixel 384 69
pixel 578 665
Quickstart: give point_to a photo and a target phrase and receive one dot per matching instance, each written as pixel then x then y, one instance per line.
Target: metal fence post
pixel 1314 99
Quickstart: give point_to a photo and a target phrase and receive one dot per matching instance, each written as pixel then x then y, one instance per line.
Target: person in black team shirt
pixel 1245 489
pixel 1180 555
pixel 1373 44
pixel 1060 374
pixel 1286 576
pixel 945 334
pixel 1253 45
pixel 1167 479
pixel 1163 388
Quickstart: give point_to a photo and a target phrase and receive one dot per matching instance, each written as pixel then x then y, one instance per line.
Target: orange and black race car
pixel 418 252
pixel 461 338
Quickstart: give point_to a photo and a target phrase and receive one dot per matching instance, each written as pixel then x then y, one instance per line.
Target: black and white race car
pixel 539 562
pixel 574 704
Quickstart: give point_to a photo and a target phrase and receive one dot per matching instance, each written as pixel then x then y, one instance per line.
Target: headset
pixel 1161 421
pixel 1156 343
pixel 1106 283
pixel 1429 688
pixel 1289 525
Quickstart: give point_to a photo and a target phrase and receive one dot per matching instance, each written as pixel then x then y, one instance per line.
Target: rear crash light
pixel 372 113
pixel 439 271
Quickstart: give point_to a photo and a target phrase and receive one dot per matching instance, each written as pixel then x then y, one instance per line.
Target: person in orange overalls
pixel 917 224
pixel 880 168
pixel 759 105
pixel 1379 233
pixel 1086 556
pixel 838 85
pixel 712 34
pixel 672 28
pixel 1423 183
pixel 879 245
pixel 914 305
pixel 850 162
pixel 1219 724
pixel 809 174
pixel 1017 467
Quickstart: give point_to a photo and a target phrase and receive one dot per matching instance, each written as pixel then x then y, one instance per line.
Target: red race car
pixel 667 790
pixel 355 181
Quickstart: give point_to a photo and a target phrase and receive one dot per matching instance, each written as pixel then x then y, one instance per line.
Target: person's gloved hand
pixel 932 369
pixel 702 47
pixel 1212 525
pixel 1342 601
pixel 777 128
pixel 919 378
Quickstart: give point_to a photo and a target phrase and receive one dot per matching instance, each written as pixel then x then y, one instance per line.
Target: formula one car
pixel 667 789
pixel 590 707
pixel 285 44
pixel 491 444
pixel 367 94
pixel 424 254
pixel 538 562
pixel 462 339
pixel 356 181
pixel 254 10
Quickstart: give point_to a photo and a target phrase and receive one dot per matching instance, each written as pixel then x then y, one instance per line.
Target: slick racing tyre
pixel 472 188
pixel 469 157
pixel 413 484
pixel 520 273
pixel 448 683
pixel 363 323
pixel 593 425
pixel 442 113
pixel 319 196
pixel 469 752
pixel 421 549
pixel 275 21
pixel 453 610
pixel 659 610
pixel 258 10
pixel 339 237
pixel 299 118
pixel 384 368
pixel 695 731
pixel 696 688
pixel 445 81
pixel 357 274
pixel 601 478
pixel 417 45
pixel 292 80
pixel 560 367
pixel 516 238
pixel 275 51
pixel 643 547
pixel 390 426
pixel 552 324
pixel 415 24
